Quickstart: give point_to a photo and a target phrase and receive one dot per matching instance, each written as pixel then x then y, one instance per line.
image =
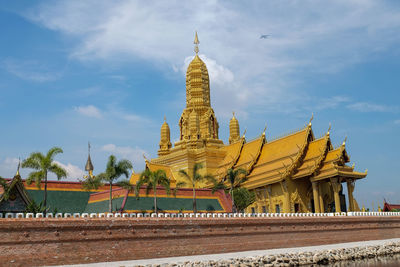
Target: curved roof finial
pixel 244 133
pixel 329 129
pixel 344 141
pixel 196 42
pixel 265 128
pixel 19 166
pixel 312 117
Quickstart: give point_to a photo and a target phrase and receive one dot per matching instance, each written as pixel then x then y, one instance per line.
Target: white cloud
pixel 218 73
pixel 371 107
pixel 8 167
pixel 29 70
pixel 305 37
pixel 73 172
pixel 135 155
pixel 89 111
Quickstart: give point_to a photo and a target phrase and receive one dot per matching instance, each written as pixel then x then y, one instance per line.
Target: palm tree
pixel 43 164
pixel 235 178
pixel 92 183
pixel 194 179
pixel 152 180
pixel 6 188
pixel 114 170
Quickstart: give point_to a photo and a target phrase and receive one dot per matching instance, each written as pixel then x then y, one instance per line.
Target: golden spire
pixel 234 129
pixel 19 165
pixel 89 166
pixel 196 42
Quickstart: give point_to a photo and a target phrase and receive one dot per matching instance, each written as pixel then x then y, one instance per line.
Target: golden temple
pixel 294 173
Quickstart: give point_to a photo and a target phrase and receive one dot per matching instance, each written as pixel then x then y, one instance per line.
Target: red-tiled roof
pixel 389 207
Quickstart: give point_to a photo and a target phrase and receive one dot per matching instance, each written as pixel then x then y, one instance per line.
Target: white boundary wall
pixel 193 215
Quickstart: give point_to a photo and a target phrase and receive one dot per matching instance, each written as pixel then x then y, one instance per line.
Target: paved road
pixel 225 256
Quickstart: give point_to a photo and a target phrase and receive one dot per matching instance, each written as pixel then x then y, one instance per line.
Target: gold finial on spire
pixel 265 128
pixel 233 113
pixel 19 165
pixel 196 42
pixel 312 117
pixel 165 118
pixel 344 141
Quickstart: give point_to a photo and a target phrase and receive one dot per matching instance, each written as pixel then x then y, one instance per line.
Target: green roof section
pixel 62 201
pixel 163 204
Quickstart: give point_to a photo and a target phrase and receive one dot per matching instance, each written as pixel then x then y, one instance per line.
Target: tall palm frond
pixel 194 179
pixel 114 170
pixel 43 164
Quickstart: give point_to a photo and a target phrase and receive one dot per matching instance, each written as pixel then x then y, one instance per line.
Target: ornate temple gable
pixel 233 152
pixel 250 153
pixel 316 153
pixel 334 166
pixel 18 197
pixel 279 158
pixel 154 167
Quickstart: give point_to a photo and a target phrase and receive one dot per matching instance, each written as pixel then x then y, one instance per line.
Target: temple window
pixel 277 208
pixel 253 210
pixel 296 207
pixel 264 209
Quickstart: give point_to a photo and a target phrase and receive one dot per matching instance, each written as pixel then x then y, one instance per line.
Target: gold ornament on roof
pixel 196 42
pixel 312 117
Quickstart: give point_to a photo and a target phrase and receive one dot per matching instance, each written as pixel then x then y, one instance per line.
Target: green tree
pixel 194 179
pixel 43 164
pixel 243 198
pixel 152 180
pixel 92 183
pixel 235 177
pixel 114 170
pixel 6 188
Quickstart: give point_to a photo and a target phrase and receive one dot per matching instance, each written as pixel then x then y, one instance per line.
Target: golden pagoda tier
pixel 294 173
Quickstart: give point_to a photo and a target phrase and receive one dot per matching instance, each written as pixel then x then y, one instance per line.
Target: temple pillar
pixel 286 199
pixel 315 190
pixel 336 186
pixel 321 198
pixel 350 189
pixel 269 192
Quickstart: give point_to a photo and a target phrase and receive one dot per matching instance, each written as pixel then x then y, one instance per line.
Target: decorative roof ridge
pixel 289 134
pixel 255 159
pixel 319 162
pixel 242 140
pixel 291 169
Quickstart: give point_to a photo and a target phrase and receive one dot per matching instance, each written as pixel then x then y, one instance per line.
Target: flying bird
pixel 264 36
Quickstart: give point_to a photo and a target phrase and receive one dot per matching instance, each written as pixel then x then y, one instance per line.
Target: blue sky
pixel 109 71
